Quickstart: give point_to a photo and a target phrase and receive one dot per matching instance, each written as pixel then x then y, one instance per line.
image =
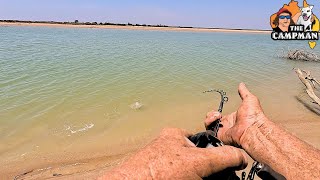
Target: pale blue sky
pixel 249 14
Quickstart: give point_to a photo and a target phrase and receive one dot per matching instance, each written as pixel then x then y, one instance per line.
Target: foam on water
pixel 136 106
pixel 72 130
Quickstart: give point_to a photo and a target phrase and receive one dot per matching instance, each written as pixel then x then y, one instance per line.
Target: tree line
pixel 76 22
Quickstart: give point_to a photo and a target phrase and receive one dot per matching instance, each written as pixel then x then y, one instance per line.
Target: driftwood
pixel 310 83
pixel 300 55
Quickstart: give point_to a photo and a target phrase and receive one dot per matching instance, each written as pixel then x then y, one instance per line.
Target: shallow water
pixel 67 89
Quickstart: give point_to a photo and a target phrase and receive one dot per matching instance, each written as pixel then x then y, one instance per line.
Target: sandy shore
pixel 81 166
pixel 136 28
pixel 89 160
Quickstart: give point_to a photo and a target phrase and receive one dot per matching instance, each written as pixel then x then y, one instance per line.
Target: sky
pixel 245 14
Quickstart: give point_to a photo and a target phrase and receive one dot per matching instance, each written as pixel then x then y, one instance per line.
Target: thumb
pixel 211 117
pixel 217 159
pixel 243 91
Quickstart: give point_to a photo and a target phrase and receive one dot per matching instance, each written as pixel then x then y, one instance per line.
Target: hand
pixel 173 156
pixel 235 124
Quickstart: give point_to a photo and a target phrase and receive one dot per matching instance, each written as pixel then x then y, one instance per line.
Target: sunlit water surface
pixel 69 90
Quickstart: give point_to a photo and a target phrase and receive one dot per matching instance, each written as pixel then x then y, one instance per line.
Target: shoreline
pixel 95 162
pixel 148 28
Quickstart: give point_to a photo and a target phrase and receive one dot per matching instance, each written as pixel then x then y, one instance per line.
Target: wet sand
pixel 90 168
pixel 136 28
pixel 93 159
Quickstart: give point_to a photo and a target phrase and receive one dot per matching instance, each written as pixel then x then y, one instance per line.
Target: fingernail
pixel 217 114
pixel 214 117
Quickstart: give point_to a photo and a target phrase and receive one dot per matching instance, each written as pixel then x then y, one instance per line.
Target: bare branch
pixel 301 55
pixel 307 80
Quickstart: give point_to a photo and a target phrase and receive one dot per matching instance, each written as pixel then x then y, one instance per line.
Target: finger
pixel 213 160
pixel 189 143
pixel 226 132
pixel 185 133
pixel 175 132
pixel 243 91
pixel 213 116
pixel 227 122
pixel 179 136
pixel 211 113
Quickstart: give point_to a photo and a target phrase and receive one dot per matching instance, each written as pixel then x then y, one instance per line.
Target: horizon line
pixel 76 22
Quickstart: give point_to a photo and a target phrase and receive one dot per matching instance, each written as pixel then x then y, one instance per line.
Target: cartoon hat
pixel 283 10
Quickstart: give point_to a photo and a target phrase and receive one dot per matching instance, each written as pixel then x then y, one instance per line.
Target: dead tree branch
pixel 310 83
pixel 301 55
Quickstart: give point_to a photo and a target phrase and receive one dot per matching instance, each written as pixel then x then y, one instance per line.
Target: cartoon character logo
pixel 305 18
pixel 283 20
pixel 292 22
